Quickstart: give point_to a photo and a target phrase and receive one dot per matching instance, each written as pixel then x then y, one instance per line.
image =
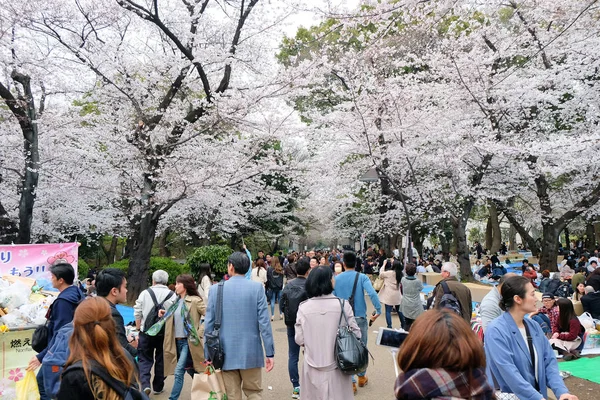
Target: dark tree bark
pixel 111 252
pixel 139 260
pixel 460 236
pixel 8 228
pixel 512 238
pixel 489 234
pixel 590 237
pixel 567 239
pixel 495 225
pixel 163 249
pixel 597 232
pixel 23 108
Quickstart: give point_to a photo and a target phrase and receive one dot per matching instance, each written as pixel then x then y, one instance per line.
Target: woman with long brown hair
pixel 93 345
pixel 442 357
pixel 182 346
pixel 275 284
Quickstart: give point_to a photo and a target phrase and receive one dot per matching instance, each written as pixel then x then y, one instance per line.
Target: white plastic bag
pixel 14 296
pixel 587 321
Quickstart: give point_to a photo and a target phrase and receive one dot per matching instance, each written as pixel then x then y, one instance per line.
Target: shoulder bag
pixel 213 340
pixel 351 355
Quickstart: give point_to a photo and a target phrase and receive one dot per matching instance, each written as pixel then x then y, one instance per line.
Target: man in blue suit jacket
pixel 244 321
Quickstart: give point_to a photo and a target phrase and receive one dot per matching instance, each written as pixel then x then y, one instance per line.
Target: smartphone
pixel 390 337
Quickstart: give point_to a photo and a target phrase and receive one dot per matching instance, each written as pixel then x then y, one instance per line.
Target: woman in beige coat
pixel 390 293
pixel 316 329
pixel 182 347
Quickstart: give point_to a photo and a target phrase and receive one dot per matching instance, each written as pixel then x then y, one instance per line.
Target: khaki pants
pixel 247 380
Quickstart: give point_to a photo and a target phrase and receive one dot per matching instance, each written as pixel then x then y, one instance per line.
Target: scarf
pixel 188 327
pixel 428 383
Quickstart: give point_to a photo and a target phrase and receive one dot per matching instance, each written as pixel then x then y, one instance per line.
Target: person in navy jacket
pixel 508 351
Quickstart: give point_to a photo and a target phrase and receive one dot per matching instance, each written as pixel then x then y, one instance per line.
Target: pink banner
pixel 34 260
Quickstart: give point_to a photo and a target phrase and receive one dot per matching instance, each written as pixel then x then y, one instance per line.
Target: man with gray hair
pixel 460 292
pixel 150 348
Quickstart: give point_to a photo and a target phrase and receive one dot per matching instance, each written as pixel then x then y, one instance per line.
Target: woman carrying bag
pixel 182 347
pixel 316 329
pixel 390 294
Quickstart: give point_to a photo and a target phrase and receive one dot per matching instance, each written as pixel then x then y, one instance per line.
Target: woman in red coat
pixel 529 273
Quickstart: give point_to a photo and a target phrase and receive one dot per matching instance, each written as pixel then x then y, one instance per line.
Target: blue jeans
pixel 41 387
pixel 293 356
pixel 184 362
pixel 544 322
pixel 388 315
pixel 363 324
pixel 275 296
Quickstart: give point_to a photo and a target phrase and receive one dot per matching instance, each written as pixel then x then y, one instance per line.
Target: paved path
pixel 381 371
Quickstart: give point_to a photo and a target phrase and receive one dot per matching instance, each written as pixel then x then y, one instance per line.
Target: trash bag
pixel 27 389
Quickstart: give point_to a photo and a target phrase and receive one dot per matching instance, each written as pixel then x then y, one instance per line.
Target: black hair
pixel 240 262
pixel 566 312
pixel 108 279
pixel 397 266
pixel 318 282
pixel 302 265
pixel 411 269
pixel 513 286
pixel 203 270
pixel 64 271
pixel 350 259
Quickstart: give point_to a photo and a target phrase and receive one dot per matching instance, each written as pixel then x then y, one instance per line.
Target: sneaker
pixel 272 318
pixel 296 393
pixel 159 391
pixel 362 381
pixel 568 357
pixel 147 390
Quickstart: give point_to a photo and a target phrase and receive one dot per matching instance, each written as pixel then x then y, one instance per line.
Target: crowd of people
pixel 311 292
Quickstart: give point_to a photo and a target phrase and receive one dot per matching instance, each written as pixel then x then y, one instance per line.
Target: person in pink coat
pixel 316 329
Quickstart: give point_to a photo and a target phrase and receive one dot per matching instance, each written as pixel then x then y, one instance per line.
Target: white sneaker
pixel 147 390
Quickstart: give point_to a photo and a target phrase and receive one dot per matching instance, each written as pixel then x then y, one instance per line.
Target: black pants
pixel 150 351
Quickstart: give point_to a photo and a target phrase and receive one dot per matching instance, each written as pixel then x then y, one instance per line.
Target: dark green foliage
pixel 214 255
pixel 173 268
pixel 82 269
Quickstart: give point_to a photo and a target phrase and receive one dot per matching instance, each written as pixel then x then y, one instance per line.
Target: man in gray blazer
pixel 244 321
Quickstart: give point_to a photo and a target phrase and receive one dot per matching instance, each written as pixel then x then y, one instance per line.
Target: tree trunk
pixel 23 108
pixel 567 239
pixel 462 249
pixel 496 232
pixel 417 240
pixel 163 250
pixel 597 231
pixel 112 252
pixel 489 234
pixel 590 238
pixel 512 238
pixel 139 261
pixel 549 254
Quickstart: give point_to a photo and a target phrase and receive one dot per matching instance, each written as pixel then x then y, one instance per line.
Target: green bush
pixel 166 264
pixel 214 255
pixel 82 269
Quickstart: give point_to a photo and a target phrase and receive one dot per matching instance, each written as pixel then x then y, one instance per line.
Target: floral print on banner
pixel 15 375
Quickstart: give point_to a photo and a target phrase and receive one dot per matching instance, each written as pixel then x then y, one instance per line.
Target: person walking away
pixel 92 350
pixel 112 286
pixel 275 284
pixel 182 345
pixel 489 309
pixel 59 314
pixel 150 348
pixel 204 281
pixel 441 358
pixel 390 294
pixel 457 289
pixel 345 288
pixel 293 294
pixel 568 337
pixel 316 330
pixel 519 358
pixel 244 310
pixel 411 305
pixel 543 287
pixel 259 272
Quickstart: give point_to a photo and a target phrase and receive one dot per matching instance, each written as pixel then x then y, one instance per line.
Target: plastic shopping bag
pixel 209 385
pixel 27 389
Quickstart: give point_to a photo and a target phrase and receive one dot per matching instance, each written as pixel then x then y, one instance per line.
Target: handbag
pixel 39 339
pixel 378 284
pixel 351 355
pixel 209 385
pixel 212 339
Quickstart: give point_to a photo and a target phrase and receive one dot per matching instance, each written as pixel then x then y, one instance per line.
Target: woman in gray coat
pixel 316 329
pixel 411 306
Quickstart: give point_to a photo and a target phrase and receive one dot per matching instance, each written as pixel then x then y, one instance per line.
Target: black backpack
pixel 152 317
pixel 126 393
pixel 565 290
pixel 449 301
pixel 292 296
pixel 276 281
